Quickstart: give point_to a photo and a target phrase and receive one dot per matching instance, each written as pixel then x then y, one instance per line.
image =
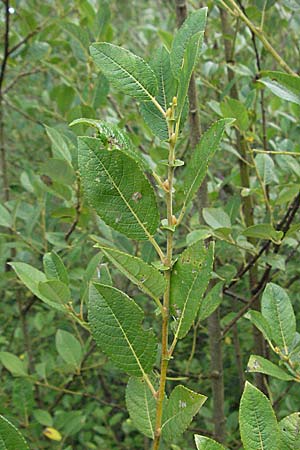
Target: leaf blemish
pixel 136 196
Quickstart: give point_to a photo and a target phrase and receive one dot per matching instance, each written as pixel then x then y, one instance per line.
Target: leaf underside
pixel 145 276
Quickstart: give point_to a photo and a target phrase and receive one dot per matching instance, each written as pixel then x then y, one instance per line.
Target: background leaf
pixel 277 310
pixel 69 348
pixel 194 24
pixel 32 278
pixel 283 85
pixel 13 364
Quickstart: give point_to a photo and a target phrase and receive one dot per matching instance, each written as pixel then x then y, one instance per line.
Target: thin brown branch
pixel 77 211
pixel 18 77
pixel 6 44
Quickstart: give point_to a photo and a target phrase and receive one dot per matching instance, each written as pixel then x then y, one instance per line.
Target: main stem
pixel 166 303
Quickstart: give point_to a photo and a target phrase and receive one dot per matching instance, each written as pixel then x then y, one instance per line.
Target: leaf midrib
pixel 126 338
pixel 130 275
pixel 148 234
pixel 129 74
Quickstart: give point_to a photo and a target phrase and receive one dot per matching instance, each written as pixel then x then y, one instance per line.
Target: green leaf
pixel 77 33
pixel 258 424
pixel 264 231
pixel 283 85
pixel 22 398
pixel 141 406
pixel 181 407
pixel 211 301
pixel 166 91
pixel 264 5
pixel 188 65
pixel 196 169
pixel 55 268
pixel 112 138
pixel 261 324
pixel 60 147
pixel 145 276
pixel 234 108
pixel 278 311
pixel 55 291
pixel 189 280
pixel 6 219
pixel 69 348
pixel 127 72
pixel 216 218
pixel 205 443
pixel 262 365
pixel 10 437
pixel 118 190
pixel 116 327
pixel 194 24
pixel 290 432
pixel 265 167
pixel 43 417
pixel 32 277
pixel 13 364
pixel 58 170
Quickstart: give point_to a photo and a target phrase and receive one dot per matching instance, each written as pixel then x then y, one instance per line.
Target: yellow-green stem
pixel 166 304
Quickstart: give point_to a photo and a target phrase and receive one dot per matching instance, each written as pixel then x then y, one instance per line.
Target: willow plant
pixel 115 183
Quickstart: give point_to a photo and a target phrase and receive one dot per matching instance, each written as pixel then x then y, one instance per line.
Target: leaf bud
pixel 166 185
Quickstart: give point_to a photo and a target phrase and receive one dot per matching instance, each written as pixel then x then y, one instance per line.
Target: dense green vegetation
pixel 149 225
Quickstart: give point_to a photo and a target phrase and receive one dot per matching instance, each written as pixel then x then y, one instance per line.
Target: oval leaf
pixel 116 327
pixel 290 432
pixel 189 280
pixel 146 277
pixel 32 278
pixel 194 24
pixel 181 407
pixel 205 443
pixel 69 348
pixel 10 437
pixel 166 91
pixel 258 424
pixel 283 85
pixel 55 268
pixel 196 169
pixel 259 364
pixel 55 291
pixel 118 190
pixel 278 311
pixel 141 406
pixel 13 364
pixel 113 137
pixel 127 72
